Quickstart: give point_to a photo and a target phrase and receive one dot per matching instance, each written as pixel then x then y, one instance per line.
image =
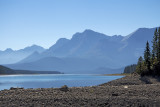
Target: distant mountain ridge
pixel 10 56
pixel 88 51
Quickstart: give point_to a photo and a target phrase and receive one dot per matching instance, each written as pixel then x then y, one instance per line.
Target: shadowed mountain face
pixel 134 44
pixel 84 44
pixel 10 56
pixel 88 51
pixel 66 65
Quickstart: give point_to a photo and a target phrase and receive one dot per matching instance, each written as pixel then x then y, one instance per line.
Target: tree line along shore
pixel 149 64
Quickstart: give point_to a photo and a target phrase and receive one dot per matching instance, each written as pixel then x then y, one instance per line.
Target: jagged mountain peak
pixel 89 34
pixel 89 31
pixel 140 34
pixel 62 40
pixel 33 47
pixel 8 50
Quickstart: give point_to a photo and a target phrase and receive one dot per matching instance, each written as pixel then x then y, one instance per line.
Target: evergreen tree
pixel 158 50
pixel 155 44
pixel 157 67
pixel 139 67
pixel 147 56
pixel 130 68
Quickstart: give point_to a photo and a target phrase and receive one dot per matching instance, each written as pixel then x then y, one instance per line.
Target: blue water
pixel 53 80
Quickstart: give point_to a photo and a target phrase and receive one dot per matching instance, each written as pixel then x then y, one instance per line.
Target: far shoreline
pixel 122 74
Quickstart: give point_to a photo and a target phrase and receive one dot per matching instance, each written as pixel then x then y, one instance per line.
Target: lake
pixel 53 80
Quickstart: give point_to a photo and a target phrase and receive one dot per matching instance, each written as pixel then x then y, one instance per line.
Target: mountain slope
pixel 134 44
pixel 10 56
pixel 81 44
pixel 65 65
pixel 7 71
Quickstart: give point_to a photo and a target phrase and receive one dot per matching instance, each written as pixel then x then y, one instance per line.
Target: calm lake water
pixel 53 80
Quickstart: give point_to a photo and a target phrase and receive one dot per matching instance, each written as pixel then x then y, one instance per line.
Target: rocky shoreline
pixel 131 91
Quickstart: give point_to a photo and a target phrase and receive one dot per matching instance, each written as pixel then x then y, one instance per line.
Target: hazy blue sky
pixel 43 22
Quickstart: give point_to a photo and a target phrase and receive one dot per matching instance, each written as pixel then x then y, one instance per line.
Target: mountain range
pixel 89 52
pixel 10 56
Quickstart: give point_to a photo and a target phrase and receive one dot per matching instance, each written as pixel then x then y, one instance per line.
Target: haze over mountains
pixel 10 56
pixel 88 52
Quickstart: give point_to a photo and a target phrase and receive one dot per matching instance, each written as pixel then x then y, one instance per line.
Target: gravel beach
pixel 129 91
